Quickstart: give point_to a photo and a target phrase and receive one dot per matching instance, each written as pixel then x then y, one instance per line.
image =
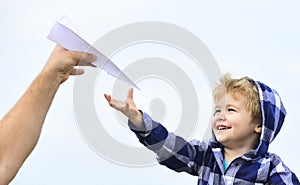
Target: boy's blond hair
pixel 246 87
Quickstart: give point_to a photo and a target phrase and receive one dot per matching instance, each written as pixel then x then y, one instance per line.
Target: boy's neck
pixel 231 154
pixel 236 150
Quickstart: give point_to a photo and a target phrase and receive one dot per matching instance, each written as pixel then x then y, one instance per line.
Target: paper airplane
pixel 63 33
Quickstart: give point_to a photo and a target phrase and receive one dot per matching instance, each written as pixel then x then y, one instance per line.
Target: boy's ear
pixel 258 128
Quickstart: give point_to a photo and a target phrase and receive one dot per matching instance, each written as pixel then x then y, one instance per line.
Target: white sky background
pixel 253 38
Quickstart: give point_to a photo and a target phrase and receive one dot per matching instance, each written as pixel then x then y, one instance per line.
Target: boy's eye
pixel 231 110
pixel 216 112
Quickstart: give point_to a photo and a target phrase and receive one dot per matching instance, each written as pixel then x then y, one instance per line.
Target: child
pixel 247 117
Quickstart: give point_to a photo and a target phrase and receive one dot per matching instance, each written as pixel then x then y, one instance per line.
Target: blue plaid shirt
pixel 205 159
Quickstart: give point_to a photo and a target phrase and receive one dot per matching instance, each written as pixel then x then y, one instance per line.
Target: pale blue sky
pixel 252 38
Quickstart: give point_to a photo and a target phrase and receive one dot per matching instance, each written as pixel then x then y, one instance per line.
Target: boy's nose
pixel 221 116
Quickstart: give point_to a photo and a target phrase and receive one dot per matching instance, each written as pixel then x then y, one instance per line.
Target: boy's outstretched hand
pixel 127 107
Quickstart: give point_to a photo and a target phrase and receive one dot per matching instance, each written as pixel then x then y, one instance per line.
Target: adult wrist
pixel 51 75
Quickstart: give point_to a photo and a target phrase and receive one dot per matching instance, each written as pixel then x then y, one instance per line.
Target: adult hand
pixel 20 128
pixel 62 62
pixel 127 107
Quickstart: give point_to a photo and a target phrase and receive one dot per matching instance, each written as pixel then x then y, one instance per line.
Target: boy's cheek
pixel 214 128
pixel 213 122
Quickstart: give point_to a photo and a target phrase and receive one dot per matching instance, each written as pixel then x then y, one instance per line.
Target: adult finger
pixel 58 48
pixel 77 71
pixel 87 58
pixel 84 58
pixel 85 64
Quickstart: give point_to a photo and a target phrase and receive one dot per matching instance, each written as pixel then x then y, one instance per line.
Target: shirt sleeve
pixel 172 151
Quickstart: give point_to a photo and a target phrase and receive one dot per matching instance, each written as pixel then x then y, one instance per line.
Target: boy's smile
pixel 232 123
pixel 223 127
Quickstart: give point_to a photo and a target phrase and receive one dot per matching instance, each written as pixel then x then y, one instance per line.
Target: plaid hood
pixel 273 114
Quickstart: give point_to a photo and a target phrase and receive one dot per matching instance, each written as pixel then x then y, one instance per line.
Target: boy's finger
pixel 107 97
pixel 126 106
pixel 130 94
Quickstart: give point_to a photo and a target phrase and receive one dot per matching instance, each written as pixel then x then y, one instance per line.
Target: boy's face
pixel 232 123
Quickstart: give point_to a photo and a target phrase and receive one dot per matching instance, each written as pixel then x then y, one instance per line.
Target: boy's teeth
pixel 223 127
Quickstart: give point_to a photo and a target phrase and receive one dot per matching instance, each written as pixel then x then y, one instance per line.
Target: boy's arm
pixel 172 151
